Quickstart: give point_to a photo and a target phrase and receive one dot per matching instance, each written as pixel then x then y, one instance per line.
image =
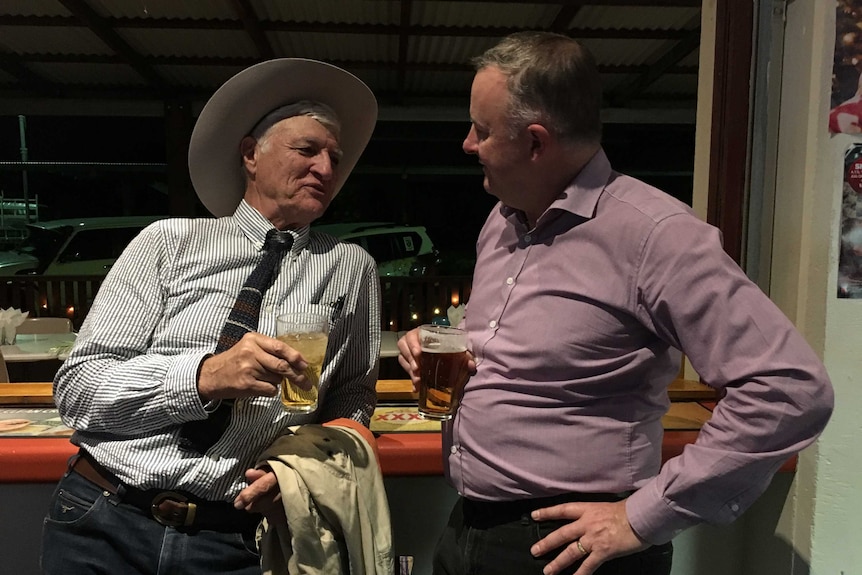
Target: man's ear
pixel 540 139
pixel 246 149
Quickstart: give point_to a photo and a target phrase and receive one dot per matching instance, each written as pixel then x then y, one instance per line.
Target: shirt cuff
pixel 652 519
pixel 183 402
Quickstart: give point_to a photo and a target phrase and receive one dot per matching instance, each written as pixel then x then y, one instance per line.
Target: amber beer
pixel 442 369
pixel 307 334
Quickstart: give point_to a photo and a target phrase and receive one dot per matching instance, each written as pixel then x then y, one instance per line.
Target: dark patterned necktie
pixel 243 318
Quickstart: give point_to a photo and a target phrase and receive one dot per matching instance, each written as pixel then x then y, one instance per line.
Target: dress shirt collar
pixel 254 226
pixel 580 197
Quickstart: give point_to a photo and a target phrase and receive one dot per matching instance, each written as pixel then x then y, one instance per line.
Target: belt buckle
pixel 181 513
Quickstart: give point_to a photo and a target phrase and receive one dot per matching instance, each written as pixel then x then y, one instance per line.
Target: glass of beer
pixel 442 370
pixel 307 333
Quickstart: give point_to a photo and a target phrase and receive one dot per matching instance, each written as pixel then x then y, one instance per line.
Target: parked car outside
pixel 398 250
pixel 82 246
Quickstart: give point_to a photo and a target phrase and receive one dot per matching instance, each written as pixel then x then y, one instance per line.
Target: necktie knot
pixel 278 241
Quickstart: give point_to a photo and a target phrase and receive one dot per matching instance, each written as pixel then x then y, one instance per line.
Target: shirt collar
pixel 254 226
pixel 581 195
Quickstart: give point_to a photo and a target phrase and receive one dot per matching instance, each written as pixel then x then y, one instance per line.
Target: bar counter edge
pixel 43 459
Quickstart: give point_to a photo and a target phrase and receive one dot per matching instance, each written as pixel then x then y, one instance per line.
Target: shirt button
pixel 453 449
pixel 528 238
pixel 215 457
pixel 492 323
pixel 734 507
pixel 510 281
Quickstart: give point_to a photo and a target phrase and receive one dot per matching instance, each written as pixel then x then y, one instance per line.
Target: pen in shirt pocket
pixel 337 306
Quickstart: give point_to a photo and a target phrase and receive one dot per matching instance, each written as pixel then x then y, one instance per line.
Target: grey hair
pixel 317 110
pixel 552 80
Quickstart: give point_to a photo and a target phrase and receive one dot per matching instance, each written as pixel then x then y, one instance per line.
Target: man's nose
pixel 470 145
pixel 324 167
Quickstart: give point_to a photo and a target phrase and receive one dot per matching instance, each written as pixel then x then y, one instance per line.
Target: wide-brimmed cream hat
pixel 239 104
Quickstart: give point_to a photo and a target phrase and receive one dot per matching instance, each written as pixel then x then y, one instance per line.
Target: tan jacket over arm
pixel 335 502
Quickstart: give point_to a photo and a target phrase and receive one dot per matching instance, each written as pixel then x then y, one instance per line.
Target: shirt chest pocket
pixel 326 314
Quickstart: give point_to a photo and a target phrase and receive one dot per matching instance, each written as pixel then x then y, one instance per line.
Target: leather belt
pixel 181 510
pixel 485 514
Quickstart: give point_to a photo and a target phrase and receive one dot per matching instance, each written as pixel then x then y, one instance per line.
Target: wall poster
pixel 850 250
pixel 845 115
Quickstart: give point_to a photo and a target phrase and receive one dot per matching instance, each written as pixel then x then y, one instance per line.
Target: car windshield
pixel 43 244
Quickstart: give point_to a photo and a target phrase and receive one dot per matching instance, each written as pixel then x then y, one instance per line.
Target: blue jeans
pixel 465 548
pixel 88 531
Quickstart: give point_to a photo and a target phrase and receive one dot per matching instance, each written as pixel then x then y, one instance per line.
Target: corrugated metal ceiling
pixel 413 53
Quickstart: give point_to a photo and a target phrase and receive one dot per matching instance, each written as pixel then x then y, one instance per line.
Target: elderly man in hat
pixel 172 396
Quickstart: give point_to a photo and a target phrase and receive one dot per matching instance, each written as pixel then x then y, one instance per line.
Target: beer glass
pixel 307 333
pixel 442 370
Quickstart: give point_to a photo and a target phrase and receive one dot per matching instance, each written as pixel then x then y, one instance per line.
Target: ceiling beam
pixel 102 28
pixel 143 94
pixel 311 27
pixel 665 64
pixel 30 81
pixel 403 45
pixel 632 3
pixel 242 62
pixel 564 17
pixel 245 12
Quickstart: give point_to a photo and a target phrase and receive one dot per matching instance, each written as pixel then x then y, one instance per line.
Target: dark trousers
pixel 477 543
pixel 87 532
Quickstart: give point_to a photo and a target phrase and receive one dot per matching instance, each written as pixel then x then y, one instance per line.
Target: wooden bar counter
pixel 41 459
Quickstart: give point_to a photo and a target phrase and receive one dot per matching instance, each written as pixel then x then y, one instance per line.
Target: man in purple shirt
pixel 587 286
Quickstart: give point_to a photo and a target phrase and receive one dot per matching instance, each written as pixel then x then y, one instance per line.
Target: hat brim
pixel 215 164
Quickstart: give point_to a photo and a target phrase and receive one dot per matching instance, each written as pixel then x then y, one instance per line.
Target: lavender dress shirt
pixel 575 326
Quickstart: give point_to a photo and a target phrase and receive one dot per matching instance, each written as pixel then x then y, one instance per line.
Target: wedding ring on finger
pixel 581 547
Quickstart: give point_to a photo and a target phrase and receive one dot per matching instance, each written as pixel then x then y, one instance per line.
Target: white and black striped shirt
pixel 131 380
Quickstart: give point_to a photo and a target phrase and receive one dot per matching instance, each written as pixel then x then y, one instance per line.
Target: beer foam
pixel 444 349
pixel 443 342
pixel 436 346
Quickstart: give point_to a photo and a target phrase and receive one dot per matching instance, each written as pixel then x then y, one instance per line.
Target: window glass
pixel 43 244
pixel 98 244
pixel 381 247
pixel 392 246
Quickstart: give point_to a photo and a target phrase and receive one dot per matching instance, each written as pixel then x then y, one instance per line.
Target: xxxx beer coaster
pixel 401 419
